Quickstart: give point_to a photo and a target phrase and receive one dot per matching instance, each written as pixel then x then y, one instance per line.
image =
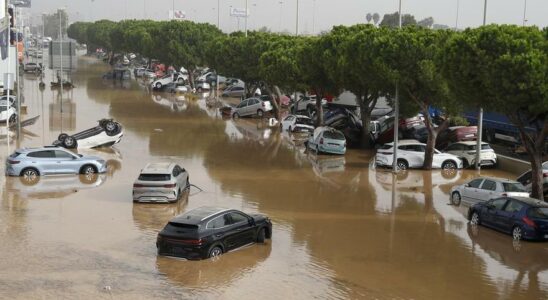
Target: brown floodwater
pixel 342 230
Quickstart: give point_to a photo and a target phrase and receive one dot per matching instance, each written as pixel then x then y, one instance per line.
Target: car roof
pixel 28 150
pixel 530 201
pixel 498 179
pixel 158 168
pixel 197 215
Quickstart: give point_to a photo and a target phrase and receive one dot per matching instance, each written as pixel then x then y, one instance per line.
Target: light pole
pixel 313 17
pixel 524 13
pixel 396 112
pixel 219 14
pixel 480 113
pixel 297 20
pixel 280 24
pixel 457 20
pixel 246 4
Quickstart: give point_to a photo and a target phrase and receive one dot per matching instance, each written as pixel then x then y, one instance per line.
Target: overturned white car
pixel 107 133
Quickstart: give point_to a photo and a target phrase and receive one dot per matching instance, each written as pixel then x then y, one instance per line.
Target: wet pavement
pixel 341 229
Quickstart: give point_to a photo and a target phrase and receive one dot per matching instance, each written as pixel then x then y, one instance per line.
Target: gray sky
pixel 327 12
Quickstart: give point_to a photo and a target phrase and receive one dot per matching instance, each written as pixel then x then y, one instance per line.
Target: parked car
pixel 30 67
pixel 107 133
pixel 522 217
pixel 327 140
pixel 165 80
pixel 34 162
pixel 411 155
pixel 210 231
pixel 419 133
pixel 160 183
pixel 387 128
pixel 296 123
pixel 486 188
pixel 234 91
pixel 234 82
pixel 305 103
pixel 202 86
pixel 456 134
pixel 526 178
pixel 8 114
pixel 466 151
pixel 140 72
pixel 174 87
pixel 250 107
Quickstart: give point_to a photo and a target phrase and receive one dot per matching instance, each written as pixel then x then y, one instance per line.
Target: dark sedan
pixel 524 218
pixel 210 231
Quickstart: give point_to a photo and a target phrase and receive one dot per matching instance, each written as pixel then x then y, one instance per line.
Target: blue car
pixel 522 217
pixel 50 160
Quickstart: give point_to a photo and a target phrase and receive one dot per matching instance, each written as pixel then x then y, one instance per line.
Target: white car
pixel 7 114
pixel 159 83
pixel 486 188
pixel 160 183
pixel 296 123
pixel 107 133
pixel 306 103
pixel 411 155
pixel 526 178
pixel 466 151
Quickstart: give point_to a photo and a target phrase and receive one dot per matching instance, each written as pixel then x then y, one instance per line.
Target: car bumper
pixel 535 234
pixel 332 150
pixel 171 247
pixel 154 197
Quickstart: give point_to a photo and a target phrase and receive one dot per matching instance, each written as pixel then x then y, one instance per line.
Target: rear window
pixel 538 212
pixel 513 187
pixel 14 155
pixel 483 147
pixel 182 225
pixel 305 121
pixel 155 177
pixel 333 135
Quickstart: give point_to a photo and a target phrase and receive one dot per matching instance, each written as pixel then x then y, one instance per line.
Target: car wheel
pixel 455 198
pixel 260 113
pixel 13 119
pixel 449 165
pixel 215 251
pixel 236 115
pixel 402 165
pixel 158 85
pixel 261 236
pixel 88 169
pixel 517 233
pixel 69 142
pixel 110 127
pixel 30 176
pixel 475 219
pixel 180 81
pixel 62 137
pixel 89 178
pixel 290 129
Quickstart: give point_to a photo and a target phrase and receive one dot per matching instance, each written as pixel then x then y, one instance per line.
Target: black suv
pixel 210 231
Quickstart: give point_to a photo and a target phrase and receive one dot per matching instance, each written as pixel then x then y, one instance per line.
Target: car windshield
pixel 483 147
pixel 333 135
pixel 538 212
pixel 513 187
pixel 305 121
pixel 154 177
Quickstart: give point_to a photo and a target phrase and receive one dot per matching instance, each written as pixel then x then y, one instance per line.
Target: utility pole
pixel 219 14
pixel 396 113
pixel 297 20
pixel 457 20
pixel 480 113
pixel 524 13
pixel 61 64
pixel 246 16
pixel 313 17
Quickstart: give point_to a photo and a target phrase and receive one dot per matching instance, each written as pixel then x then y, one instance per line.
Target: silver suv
pixel 160 182
pixel 33 162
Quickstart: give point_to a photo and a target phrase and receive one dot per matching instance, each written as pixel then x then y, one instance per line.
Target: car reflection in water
pixel 152 217
pixel 176 103
pixel 46 187
pixel 527 259
pixel 323 164
pixel 218 272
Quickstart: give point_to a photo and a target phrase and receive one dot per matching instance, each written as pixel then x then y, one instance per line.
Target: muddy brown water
pixel 341 229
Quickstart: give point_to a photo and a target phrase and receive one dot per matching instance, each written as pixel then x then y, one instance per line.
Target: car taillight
pixel 193 242
pixel 13 162
pixel 544 174
pixel 321 141
pixel 136 185
pixel 169 186
pixel 529 222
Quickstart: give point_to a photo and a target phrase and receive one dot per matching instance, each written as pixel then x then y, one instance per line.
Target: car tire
pixel 158 85
pixel 30 176
pixel 465 163
pixel 70 142
pixel 215 251
pixel 88 169
pixel 475 218
pixel 62 137
pixel 261 236
pixel 517 233
pixel 449 165
pixel 89 178
pixel 111 128
pixel 13 119
pixel 236 116
pixel 309 110
pixel 455 198
pixel 402 165
pixel 260 113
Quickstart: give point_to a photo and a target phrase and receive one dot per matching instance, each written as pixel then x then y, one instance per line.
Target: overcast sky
pixel 272 14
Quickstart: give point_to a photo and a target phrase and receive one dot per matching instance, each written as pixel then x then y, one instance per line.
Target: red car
pixel 387 128
pixel 456 134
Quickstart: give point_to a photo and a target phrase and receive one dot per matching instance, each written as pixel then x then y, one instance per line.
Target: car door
pixel 415 155
pixel 487 190
pixel 240 108
pixel 493 208
pixel 253 106
pixel 66 163
pixel 470 191
pixel 504 218
pixel 286 123
pixel 243 230
pixel 231 233
pixel 44 161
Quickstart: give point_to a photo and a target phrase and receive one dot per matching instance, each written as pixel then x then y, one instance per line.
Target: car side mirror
pixel 251 221
pixel 466 185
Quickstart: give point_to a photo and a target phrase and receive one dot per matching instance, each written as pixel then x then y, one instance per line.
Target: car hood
pixel 91 157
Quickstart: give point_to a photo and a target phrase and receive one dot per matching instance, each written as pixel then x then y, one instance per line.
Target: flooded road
pixel 340 229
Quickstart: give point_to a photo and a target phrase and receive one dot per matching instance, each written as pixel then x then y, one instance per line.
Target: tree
pixel 376 18
pixel 427 22
pixel 504 69
pixel 368 17
pixel 392 20
pixel 413 56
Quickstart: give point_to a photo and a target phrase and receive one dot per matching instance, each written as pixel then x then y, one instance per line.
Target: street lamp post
pixel 219 14
pixel 457 20
pixel 524 13
pixel 480 113
pixel 313 16
pixel 246 4
pixel 396 112
pixel 297 20
pixel 280 24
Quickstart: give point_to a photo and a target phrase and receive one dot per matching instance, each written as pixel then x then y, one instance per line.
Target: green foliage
pixel 392 20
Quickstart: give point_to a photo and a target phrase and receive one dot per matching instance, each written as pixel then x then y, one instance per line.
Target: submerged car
pixel 211 231
pixel 486 188
pixel 250 107
pixel 107 133
pixel 174 87
pixel 411 155
pixel 467 152
pixel 522 217
pixel 33 162
pixel 160 183
pixel 527 177
pixel 7 114
pixel 297 123
pixel 327 140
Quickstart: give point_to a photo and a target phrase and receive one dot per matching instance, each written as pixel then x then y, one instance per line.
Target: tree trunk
pixel 367 104
pixel 276 100
pixel 319 109
pixel 191 77
pixel 432 137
